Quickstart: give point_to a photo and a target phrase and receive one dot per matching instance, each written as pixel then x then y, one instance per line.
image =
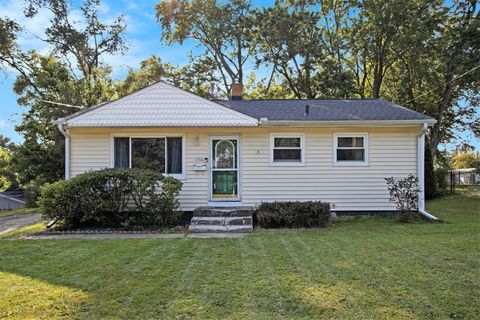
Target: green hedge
pixel 442 180
pixel 32 192
pixel 124 198
pixel 430 185
pixel 293 214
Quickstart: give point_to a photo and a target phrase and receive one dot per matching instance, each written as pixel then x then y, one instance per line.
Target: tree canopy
pixel 421 54
pixel 71 73
pixel 466 160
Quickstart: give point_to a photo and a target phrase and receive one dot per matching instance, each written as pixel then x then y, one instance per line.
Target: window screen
pixel 350 149
pixel 287 149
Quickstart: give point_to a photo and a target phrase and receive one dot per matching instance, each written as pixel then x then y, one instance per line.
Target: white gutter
pixel 428 215
pixel 66 134
pixel 421 173
pixel 345 123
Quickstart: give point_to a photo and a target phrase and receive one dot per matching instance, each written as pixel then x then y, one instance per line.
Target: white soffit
pixel 160 104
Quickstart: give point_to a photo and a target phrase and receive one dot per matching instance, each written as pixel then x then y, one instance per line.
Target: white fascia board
pixel 347 123
pixel 120 125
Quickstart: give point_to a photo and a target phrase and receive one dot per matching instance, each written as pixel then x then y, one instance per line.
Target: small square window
pixel 287 150
pixel 350 149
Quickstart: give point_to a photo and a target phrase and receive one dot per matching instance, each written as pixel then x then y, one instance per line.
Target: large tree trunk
pixel 376 84
pixel 377 78
pixel 436 134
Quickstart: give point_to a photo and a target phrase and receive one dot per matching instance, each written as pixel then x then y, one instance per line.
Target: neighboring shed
pixel 11 200
pixel 468 176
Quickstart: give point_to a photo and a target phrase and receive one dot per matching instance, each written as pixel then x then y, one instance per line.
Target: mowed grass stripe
pixel 273 283
pixel 368 268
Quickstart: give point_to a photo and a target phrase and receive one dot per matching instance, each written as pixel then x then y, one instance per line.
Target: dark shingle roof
pixel 324 110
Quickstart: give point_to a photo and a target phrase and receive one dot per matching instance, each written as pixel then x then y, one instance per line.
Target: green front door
pixel 224 169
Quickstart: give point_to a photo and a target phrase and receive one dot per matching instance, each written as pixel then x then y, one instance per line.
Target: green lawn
pixel 8 213
pixel 369 268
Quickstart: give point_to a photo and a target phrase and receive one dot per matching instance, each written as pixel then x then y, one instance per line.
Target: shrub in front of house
pixel 293 214
pixel 125 198
pixel 404 193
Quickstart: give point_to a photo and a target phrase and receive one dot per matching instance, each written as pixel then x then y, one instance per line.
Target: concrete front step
pixel 200 228
pixel 221 219
pixel 240 211
pixel 234 221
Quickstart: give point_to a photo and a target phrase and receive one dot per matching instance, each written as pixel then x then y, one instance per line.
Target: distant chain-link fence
pixel 464 177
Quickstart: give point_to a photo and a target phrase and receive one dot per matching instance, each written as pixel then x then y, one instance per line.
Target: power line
pixel 455 78
pixel 61 104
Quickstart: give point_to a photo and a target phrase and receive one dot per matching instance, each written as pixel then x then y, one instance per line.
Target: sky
pixel 143 38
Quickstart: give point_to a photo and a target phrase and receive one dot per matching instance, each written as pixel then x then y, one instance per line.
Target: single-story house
pixel 244 152
pixel 11 200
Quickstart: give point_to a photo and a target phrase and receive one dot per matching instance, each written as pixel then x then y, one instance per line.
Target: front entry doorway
pixel 224 168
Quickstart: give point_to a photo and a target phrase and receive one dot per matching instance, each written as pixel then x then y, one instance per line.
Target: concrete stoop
pixel 221 219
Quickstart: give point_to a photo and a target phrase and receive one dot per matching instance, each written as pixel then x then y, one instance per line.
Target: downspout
pixel 421 174
pixel 66 134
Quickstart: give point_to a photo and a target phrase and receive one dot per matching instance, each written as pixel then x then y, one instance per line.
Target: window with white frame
pixel 287 149
pixel 164 154
pixel 351 148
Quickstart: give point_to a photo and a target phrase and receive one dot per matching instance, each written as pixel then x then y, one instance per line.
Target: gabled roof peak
pixel 159 104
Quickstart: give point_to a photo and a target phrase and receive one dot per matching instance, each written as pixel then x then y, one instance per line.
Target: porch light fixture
pixel 195 140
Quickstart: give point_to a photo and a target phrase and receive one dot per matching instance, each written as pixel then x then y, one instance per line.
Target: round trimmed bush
pixel 117 197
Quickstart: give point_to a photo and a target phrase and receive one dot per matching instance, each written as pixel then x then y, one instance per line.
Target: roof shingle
pixel 324 110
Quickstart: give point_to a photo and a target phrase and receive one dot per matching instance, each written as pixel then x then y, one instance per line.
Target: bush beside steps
pixel 295 214
pixel 113 198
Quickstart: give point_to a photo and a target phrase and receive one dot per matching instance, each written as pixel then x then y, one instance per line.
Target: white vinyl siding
pixel 391 151
pixel 89 152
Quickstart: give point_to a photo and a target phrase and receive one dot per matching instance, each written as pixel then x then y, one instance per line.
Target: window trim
pixel 348 163
pixel 181 176
pixel 287 135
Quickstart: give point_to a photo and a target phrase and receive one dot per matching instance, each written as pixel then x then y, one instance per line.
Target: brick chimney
pixel 237 90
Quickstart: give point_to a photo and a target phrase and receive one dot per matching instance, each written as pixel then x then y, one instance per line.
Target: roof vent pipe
pixel 237 90
pixel 307 110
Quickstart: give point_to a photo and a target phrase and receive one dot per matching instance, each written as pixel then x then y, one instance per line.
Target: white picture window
pixel 287 149
pixel 351 149
pixel 164 154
